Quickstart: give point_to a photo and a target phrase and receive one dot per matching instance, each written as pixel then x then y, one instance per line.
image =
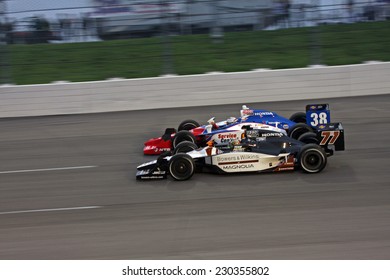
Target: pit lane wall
pixel 195 90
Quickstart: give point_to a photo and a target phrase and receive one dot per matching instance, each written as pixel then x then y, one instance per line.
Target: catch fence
pixel 133 39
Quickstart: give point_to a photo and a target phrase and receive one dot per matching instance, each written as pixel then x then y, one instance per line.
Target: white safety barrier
pixel 194 90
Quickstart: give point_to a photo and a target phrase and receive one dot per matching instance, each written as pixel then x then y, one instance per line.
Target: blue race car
pixel 301 126
pixel 297 124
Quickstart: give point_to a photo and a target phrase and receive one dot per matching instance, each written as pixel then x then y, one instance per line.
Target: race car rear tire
pixel 309 138
pixel 299 117
pixel 185 147
pixel 298 129
pixel 188 125
pixel 181 167
pixel 312 158
pixel 182 136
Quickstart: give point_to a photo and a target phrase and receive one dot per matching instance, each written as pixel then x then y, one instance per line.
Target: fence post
pixel 216 31
pixel 315 44
pixel 165 37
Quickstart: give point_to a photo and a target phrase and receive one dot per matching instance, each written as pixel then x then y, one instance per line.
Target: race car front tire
pixel 182 136
pixel 312 158
pixel 188 125
pixel 181 167
pixel 185 147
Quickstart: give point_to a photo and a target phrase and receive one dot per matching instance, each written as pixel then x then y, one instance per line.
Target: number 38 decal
pixel 329 137
pixel 318 118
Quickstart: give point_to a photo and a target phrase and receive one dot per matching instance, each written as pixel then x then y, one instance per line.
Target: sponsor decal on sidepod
pixel 238 162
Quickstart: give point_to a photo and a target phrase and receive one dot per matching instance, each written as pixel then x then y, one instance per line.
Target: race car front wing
pixel 151 174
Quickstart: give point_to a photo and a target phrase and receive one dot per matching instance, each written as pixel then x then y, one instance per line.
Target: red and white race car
pixel 221 132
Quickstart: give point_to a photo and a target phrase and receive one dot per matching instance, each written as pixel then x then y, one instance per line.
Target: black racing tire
pixel 309 138
pixel 298 129
pixel 299 117
pixel 181 167
pixel 185 147
pixel 161 161
pixel 312 158
pixel 188 125
pixel 182 136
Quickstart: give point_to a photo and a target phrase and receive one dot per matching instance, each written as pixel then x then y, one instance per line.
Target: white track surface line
pixel 47 169
pixel 51 210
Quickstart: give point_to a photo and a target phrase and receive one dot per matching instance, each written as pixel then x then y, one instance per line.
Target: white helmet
pixel 245 111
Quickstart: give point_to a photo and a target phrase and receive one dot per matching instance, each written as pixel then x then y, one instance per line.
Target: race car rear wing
pixel 317 114
pixel 331 134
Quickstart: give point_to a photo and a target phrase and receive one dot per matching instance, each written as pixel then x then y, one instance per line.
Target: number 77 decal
pixel 329 137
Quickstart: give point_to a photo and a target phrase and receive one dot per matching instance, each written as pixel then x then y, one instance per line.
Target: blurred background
pixel 86 40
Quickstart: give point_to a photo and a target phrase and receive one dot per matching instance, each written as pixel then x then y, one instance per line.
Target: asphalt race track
pixel 68 191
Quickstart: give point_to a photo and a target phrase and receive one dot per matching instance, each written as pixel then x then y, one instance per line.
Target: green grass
pixel 193 54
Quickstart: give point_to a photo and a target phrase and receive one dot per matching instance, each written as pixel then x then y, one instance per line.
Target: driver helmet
pixel 245 111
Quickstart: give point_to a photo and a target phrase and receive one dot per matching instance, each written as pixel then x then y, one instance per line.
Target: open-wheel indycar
pixel 258 150
pixel 296 126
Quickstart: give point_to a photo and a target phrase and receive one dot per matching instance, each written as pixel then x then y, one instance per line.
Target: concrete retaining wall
pixel 194 90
